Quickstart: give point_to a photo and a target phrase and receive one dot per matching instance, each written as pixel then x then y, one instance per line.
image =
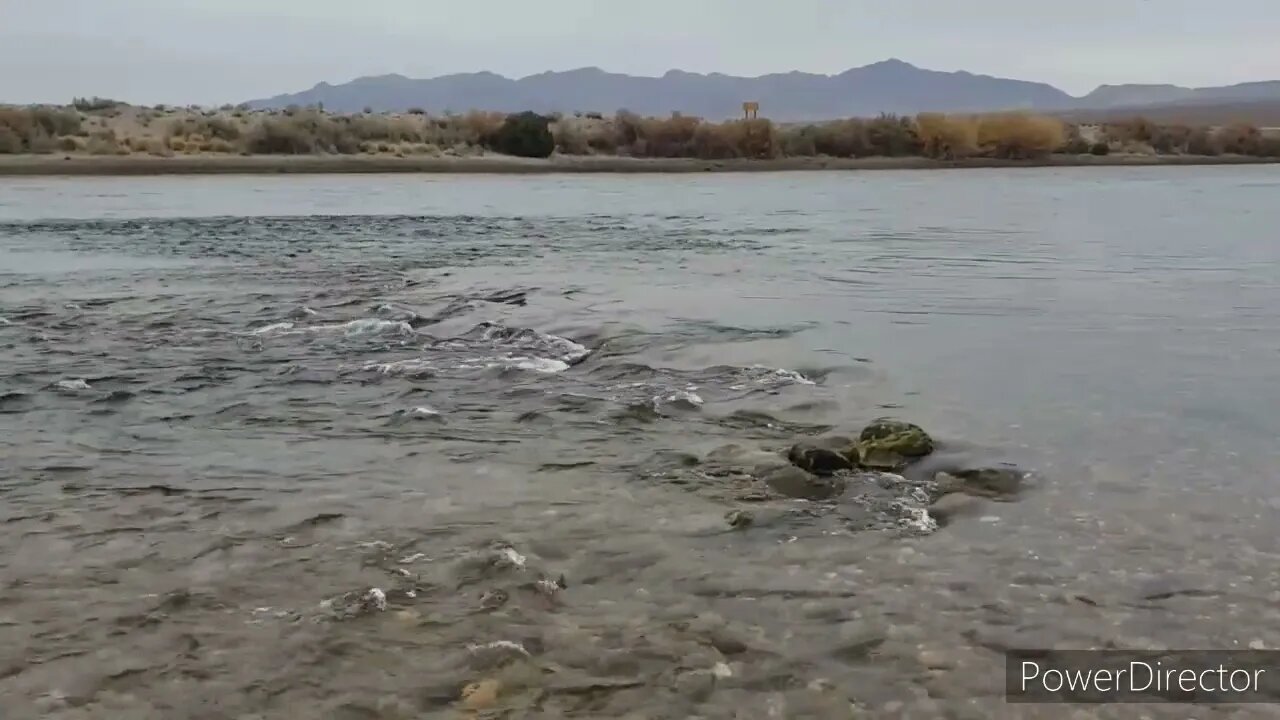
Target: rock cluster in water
pixel 886 476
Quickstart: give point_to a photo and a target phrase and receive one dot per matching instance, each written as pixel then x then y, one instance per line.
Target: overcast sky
pixel 215 51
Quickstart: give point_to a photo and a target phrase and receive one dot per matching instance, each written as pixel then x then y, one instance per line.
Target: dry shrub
pixel 302 133
pixel 947 137
pixel 1203 142
pixel 1133 130
pixel 714 142
pixel 480 125
pixel 756 139
pixel 382 127
pixel 1170 138
pixel 150 146
pixel 70 144
pixel 218 145
pixel 10 142
pixel 36 128
pixel 177 144
pixel 1239 139
pixel 104 142
pixel 672 137
pixel 205 127
pixel 571 137
pixel 1073 142
pixel 1019 135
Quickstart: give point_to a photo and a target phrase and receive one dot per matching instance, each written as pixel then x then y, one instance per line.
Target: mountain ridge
pixel 888 86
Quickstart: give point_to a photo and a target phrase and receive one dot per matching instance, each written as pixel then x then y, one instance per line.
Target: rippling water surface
pixel 232 408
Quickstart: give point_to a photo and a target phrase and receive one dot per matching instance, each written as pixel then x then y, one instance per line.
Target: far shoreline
pixel 141 165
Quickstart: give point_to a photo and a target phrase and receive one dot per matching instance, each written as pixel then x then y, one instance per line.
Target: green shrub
pixel 799 141
pixel 1100 148
pixel 892 136
pixel 94 104
pixel 526 134
pixel 843 139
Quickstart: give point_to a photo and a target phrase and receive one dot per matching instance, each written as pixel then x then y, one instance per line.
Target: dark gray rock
pixel 793 482
pixel 818 460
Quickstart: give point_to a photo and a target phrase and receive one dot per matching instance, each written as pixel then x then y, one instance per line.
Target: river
pixel 233 407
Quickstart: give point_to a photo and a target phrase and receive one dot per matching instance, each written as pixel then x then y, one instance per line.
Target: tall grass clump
pixel 946 137
pixel 1019 136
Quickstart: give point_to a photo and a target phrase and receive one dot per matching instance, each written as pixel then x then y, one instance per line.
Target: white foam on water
pixel 919 520
pixel 280 327
pixel 401 367
pixel 507 645
pixel 72 385
pixel 377 598
pixel 785 375
pixel 562 348
pixel 5 321
pixel 372 326
pixel 364 327
pixel 684 396
pixel 426 412
pixel 535 364
pixel 512 556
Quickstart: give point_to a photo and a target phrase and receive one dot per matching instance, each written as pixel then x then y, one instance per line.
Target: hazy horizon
pixel 149 51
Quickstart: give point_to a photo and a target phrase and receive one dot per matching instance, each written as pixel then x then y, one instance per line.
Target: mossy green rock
pixel 894 436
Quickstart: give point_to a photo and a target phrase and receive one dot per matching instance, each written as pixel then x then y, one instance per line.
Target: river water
pixel 232 407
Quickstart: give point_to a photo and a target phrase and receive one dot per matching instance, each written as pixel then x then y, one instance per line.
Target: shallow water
pixel 225 401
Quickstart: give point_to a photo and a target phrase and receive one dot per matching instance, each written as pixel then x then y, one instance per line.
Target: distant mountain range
pixel 891 86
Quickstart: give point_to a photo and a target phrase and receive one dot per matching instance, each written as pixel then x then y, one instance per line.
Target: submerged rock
pixel 793 482
pixel 817 459
pixel 739 518
pixel 991 482
pixel 887 435
pixel 955 505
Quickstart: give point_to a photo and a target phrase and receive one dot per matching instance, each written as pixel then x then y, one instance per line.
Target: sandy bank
pixel 14 165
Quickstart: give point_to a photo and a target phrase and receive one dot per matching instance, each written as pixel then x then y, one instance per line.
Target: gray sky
pixel 215 51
